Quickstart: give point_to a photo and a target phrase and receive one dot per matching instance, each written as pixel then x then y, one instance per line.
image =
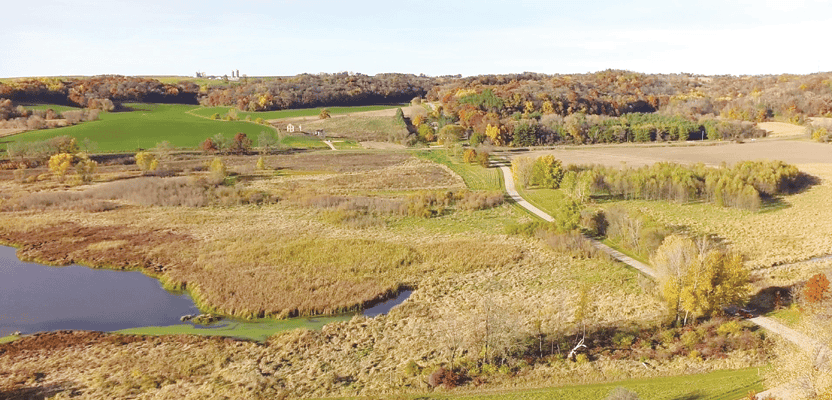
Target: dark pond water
pixel 35 297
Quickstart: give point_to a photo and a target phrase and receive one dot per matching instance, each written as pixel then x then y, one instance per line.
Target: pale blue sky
pixel 85 37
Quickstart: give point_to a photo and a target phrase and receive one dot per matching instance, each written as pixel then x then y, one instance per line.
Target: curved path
pixel 822 354
pixel 508 178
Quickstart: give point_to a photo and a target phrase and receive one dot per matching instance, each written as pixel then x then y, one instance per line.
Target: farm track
pixel 823 353
pixel 512 192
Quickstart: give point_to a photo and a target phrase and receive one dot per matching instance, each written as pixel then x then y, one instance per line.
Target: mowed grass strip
pixel 145 126
pixel 475 176
pixel 207 112
pixel 718 385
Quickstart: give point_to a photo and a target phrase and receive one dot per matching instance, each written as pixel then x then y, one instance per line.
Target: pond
pixel 35 297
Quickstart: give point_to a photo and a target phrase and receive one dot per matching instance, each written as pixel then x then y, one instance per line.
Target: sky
pixel 268 38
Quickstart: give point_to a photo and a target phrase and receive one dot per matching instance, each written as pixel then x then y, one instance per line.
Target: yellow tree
pixel 146 161
pixel 672 260
pixel 496 135
pixel 59 164
pixel 718 280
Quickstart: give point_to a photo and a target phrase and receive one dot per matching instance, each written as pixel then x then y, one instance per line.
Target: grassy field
pixel 54 107
pixel 258 330
pixel 475 176
pixel 8 339
pixel 719 385
pixel 360 127
pixel 281 114
pixel 796 230
pixel 149 124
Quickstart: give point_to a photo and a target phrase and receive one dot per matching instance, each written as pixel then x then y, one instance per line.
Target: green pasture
pixel 258 330
pixel 475 176
pixel 718 385
pixel 207 112
pixel 54 107
pixel 149 124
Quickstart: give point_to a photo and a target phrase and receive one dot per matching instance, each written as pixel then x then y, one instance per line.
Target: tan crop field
pixel 792 152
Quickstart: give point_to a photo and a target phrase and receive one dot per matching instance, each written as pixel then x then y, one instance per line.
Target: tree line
pixel 100 92
pixel 18 117
pixel 321 90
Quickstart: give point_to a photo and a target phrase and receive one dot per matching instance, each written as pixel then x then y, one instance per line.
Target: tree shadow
pixel 770 299
pixel 33 393
pixel 691 396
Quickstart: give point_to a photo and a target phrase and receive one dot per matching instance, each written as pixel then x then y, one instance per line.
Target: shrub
pixel 426 133
pixel 146 161
pixel 217 168
pixel 59 164
pixel 324 114
pixel 480 200
pixel 444 377
pixel 261 164
pixel 816 289
pixel 215 116
pixel 412 369
pixel 572 242
pixel 241 143
pixel 86 168
pixel 469 155
pixel 208 146
pixel 483 158
pixel 476 138
pixel 729 328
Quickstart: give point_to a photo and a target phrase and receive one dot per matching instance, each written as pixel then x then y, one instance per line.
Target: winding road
pixel 822 354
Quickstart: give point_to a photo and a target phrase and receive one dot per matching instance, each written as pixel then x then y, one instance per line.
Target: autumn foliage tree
pixel 547 172
pixel 699 281
pixel 816 289
pixel 59 164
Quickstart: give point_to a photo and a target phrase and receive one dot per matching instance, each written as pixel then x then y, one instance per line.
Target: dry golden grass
pixel 782 129
pixel 796 230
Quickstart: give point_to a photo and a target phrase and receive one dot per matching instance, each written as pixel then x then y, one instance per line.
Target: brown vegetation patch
pixel 337 162
pixel 67 243
pixel 411 175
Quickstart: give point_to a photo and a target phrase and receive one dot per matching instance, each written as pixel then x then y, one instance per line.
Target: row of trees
pixel 742 185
